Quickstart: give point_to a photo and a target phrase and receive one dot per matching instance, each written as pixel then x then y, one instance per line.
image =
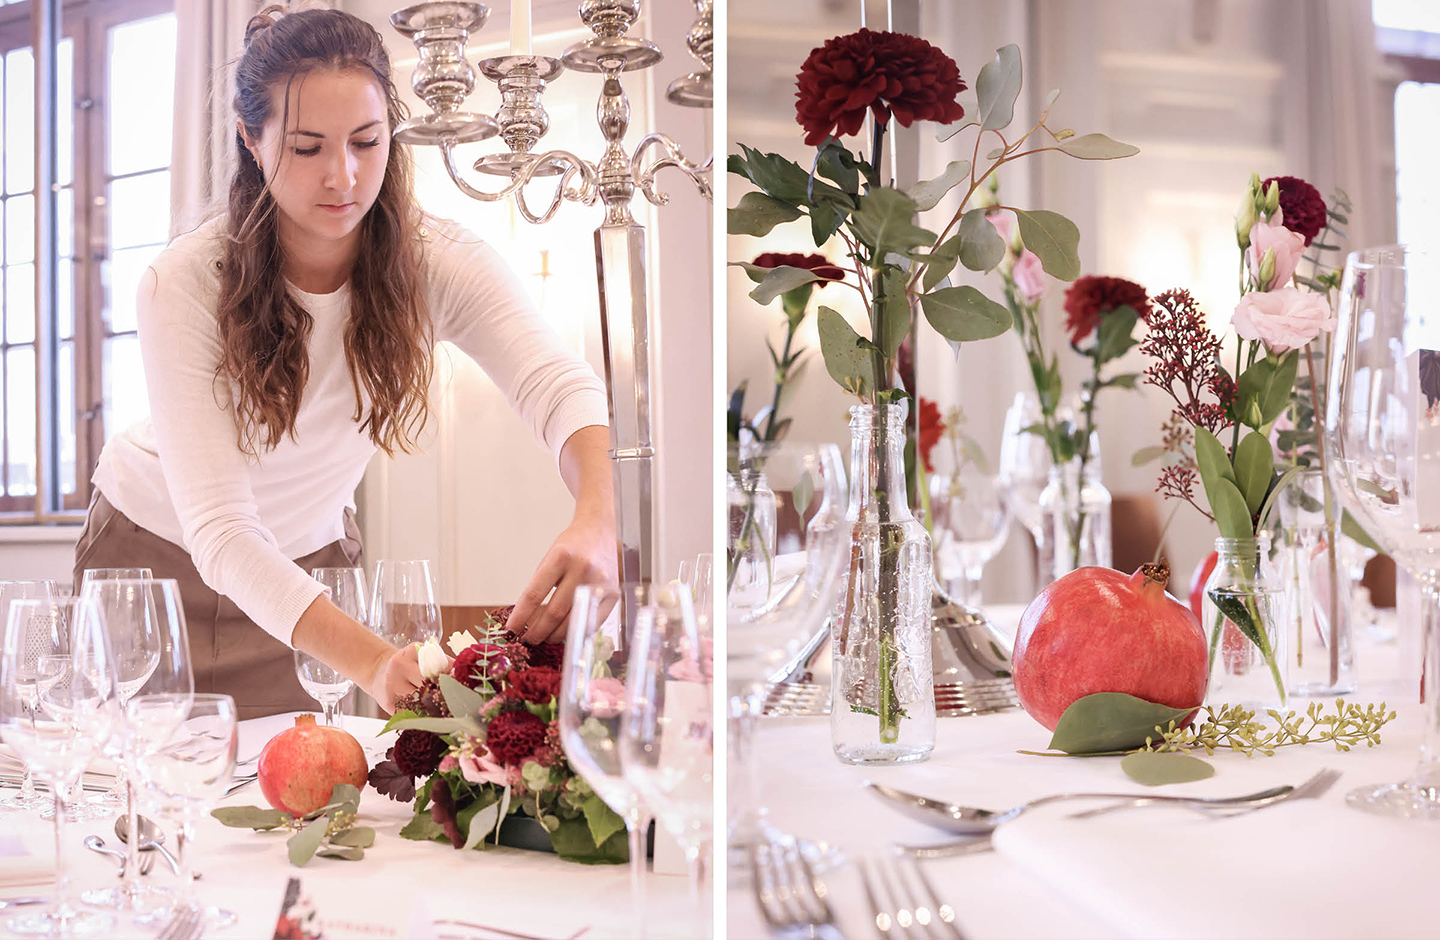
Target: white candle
pixel 519 27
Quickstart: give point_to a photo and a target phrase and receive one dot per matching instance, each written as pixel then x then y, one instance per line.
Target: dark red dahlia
pixel 1301 206
pixel 548 654
pixel 820 264
pixel 418 753
pixel 880 71
pixel 932 428
pixel 1093 296
pixel 514 736
pixel 538 684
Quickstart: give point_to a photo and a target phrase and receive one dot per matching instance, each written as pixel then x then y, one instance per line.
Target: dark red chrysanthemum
pixel 820 264
pixel 1093 296
pixel 548 654
pixel 932 428
pixel 538 684
pixel 880 71
pixel 1302 207
pixel 514 736
pixel 418 753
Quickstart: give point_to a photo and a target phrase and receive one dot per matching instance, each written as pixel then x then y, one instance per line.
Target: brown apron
pixel 228 652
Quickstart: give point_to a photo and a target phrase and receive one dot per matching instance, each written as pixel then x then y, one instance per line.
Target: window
pixel 1408 35
pixel 116 71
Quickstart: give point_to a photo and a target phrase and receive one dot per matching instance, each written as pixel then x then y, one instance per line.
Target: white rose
pixel 433 660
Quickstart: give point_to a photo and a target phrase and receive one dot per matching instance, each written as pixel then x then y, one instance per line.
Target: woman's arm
pixel 341 642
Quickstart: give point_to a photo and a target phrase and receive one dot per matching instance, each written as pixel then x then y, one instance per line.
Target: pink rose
pixel 1282 319
pixel 1029 276
pixel 1287 246
pixel 607 697
pixel 479 768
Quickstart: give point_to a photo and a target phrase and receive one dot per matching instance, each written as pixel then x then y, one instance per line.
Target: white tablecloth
pixel 399 882
pixel 1313 868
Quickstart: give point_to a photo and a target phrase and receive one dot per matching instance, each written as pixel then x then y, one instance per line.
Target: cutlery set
pixel 952 699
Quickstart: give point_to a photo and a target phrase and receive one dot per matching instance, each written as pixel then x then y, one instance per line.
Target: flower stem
pixel 1330 528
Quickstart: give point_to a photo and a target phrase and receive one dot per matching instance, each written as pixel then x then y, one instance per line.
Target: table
pixel 399 882
pixel 1310 868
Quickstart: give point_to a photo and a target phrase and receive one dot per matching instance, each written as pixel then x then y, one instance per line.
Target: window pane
pixel 19 121
pixel 20 229
pixel 66 415
pixel 1423 15
pixel 141 75
pixel 65 222
pixel 140 210
pixel 20 303
pixel 125 399
pixel 66 314
pixel 122 275
pixel 65 117
pixel 1416 189
pixel 20 421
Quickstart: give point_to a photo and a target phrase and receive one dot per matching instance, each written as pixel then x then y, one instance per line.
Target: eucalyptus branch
pixel 1235 728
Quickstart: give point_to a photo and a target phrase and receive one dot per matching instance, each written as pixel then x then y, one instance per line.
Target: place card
pixel 318 909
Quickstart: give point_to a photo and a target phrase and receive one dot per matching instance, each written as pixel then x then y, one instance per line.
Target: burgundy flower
pixel 548 654
pixel 884 72
pixel 514 736
pixel 538 684
pixel 812 262
pixel 1092 296
pixel 418 753
pixel 442 810
pixel 478 661
pixel 932 428
pixel 1302 207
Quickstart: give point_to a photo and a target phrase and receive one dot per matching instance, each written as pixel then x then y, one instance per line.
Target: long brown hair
pixel 264 331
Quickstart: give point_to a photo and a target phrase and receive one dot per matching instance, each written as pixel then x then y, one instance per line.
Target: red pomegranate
pixel 1098 630
pixel 301 766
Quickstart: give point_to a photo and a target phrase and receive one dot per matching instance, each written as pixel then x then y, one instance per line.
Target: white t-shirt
pixel 181 474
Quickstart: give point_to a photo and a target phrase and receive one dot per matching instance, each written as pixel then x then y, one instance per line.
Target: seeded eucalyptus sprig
pixel 1235 728
pixel 329 830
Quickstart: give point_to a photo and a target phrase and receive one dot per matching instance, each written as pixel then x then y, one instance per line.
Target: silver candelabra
pixel 444 79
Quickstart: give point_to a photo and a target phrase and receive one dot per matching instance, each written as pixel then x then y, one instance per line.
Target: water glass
pixel 28 798
pixel 324 684
pixel 972 513
pixel 114 574
pixel 403 608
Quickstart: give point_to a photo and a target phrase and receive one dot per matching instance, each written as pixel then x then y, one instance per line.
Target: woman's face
pixel 325 166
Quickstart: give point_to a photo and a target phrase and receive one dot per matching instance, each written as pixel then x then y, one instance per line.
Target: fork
pixel 185 925
pixel 787 890
pixel 900 895
pixel 1316 786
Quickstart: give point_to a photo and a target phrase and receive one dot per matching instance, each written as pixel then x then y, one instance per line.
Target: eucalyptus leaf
pixel 1111 721
pixel 251 817
pixel 996 88
pixel 1054 239
pixel 302 845
pixel 362 836
pixel 756 214
pixel 780 280
pixel 980 246
pixel 945 131
pixel 1157 768
pixel 462 700
pixel 964 315
pixel 941 262
pixel 802 493
pixel 1050 100
pixel 1096 147
pixel 422 828
pixel 752 271
pixel 1146 455
pixel 393 722
pixel 885 223
pixel 1352 528
pixel 440 725
pixel 332 849
pixel 928 193
pixel 481 824
pixel 1254 469
pixel 845 359
pixel 894 310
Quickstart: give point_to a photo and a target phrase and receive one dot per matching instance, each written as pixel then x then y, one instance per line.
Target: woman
pixel 286 341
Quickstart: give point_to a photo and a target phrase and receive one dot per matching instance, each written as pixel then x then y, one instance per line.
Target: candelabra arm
pixel 644 174
pixel 585 192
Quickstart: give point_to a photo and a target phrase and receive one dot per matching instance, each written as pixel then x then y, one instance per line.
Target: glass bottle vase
pixel 1243 609
pixel 1319 593
pixel 882 708
pixel 752 519
pixel 1074 520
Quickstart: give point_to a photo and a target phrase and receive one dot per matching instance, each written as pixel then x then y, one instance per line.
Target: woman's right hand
pixel 396 676
pixel 338 640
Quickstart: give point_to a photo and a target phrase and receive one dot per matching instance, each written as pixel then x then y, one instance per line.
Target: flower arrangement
pixel 481 736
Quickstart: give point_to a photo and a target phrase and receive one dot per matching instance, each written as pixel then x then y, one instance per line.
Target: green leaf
pixel 482 824
pixel 462 700
pixel 302 845
pixel 362 836
pixel 1159 768
pixel 1232 514
pixel 440 725
pixel 251 817
pixel 894 310
pixel 838 163
pixel 1238 607
pixel 572 842
pixel 603 821
pixel 1266 385
pixel 1254 469
pixel 845 359
pixel 825 221
pixel 981 248
pixel 963 314
pixel 422 828
pixel 1146 455
pixel 1124 380
pixel 941 262
pixel 802 494
pixel 1111 721
pixel 782 279
pixel 1276 488
pixel 756 214
pixel 1054 239
pixel 784 179
pixel 1114 337
pixel 997 87
pixel 928 193
pixel 1096 147
pixel 945 131
pixel 885 223
pixel 403 714
pixel 1350 527
pixel 331 849
pixel 1213 462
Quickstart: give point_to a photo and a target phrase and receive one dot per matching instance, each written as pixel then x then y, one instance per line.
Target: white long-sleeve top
pixel 181 474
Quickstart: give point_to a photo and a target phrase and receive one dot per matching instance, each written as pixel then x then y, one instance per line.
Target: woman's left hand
pixel 585 553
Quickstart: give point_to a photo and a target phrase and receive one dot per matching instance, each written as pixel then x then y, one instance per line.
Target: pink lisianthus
pixel 1029 276
pixel 1282 319
pixel 480 768
pixel 1004 223
pixel 607 697
pixel 1286 245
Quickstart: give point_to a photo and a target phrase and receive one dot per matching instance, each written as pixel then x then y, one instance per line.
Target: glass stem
pixel 971 597
pixel 183 835
pixel 27 787
pixel 1427 774
pixel 132 844
pixel 639 826
pixel 696 856
pixel 64 909
pixel 328 707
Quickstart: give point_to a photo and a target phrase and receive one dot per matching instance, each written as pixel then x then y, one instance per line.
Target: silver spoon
pixel 151 838
pixel 971 820
pixel 97 844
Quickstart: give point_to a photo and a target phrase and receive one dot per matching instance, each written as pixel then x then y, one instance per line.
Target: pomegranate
pixel 301 766
pixel 1098 630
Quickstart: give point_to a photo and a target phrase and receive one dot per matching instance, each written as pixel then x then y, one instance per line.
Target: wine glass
pixel 774 624
pixel 325 684
pixel 114 574
pixel 1024 462
pixel 28 798
pixel 1382 453
pixel 58 709
pixel 186 769
pixel 666 740
pixel 403 608
pixel 592 706
pixel 972 513
pixel 144 620
pixel 697 574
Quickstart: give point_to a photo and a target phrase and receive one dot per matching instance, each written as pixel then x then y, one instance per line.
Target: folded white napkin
pixel 101 771
pixel 25 862
pixel 1309 869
